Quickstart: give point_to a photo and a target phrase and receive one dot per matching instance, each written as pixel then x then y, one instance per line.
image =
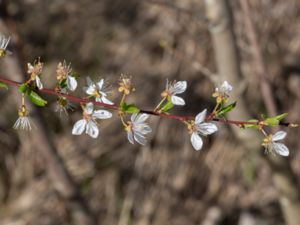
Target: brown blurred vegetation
pixel 165 182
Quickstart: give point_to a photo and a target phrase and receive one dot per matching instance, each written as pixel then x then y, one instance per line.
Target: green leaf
pixel 166 107
pixel 24 88
pixel 281 116
pixel 254 126
pixel 36 99
pixel 274 121
pixel 3 85
pixel 63 83
pixel 130 108
pixel 226 109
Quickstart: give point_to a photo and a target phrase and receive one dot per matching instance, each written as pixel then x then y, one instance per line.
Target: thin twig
pixel 259 61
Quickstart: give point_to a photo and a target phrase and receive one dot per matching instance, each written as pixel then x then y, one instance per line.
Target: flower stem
pixel 159 104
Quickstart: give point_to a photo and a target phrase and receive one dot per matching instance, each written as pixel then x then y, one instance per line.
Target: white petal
pixel 106 101
pixel 133 117
pixel 38 82
pixel 140 118
pixel 179 87
pixel 89 108
pixel 278 136
pixel 90 89
pixel 71 83
pixel 200 117
pixel 103 93
pixel 207 128
pixel 89 81
pixel 92 129
pixel 281 149
pixel 102 114
pixel 142 128
pixel 100 84
pixel 177 100
pixel 196 141
pixel 226 87
pixel 130 137
pixel 140 138
pixel 79 127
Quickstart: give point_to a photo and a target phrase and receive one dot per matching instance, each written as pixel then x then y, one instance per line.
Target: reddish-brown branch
pixel 116 107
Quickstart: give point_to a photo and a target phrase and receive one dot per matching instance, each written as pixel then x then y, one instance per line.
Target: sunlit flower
pixel 174 88
pixel 23 122
pixel 125 85
pixel 197 127
pixel 271 145
pixel 222 92
pixel 98 90
pixel 3 45
pixel 64 74
pixel 35 71
pixel 137 128
pixel 88 123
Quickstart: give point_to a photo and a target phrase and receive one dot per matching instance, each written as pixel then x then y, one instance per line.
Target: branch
pixel 79 100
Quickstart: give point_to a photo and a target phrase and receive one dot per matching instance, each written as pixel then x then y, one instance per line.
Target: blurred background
pixel 165 182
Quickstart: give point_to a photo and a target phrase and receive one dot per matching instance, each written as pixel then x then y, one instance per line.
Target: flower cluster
pixel 133 118
pixel 65 81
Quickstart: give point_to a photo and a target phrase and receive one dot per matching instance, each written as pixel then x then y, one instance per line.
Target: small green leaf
pixel 24 88
pixel 166 107
pixel 254 126
pixel 63 83
pixel 226 109
pixel 3 85
pixel 130 108
pixel 281 116
pixel 36 99
pixel 274 121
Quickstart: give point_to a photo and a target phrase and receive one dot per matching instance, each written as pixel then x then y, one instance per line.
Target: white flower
pixel 3 45
pixel 88 123
pixel 223 91
pixel 63 105
pixel 98 91
pixel 174 88
pixel 137 128
pixel 35 71
pixel 23 122
pixel 200 127
pixel 271 145
pixel 63 73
